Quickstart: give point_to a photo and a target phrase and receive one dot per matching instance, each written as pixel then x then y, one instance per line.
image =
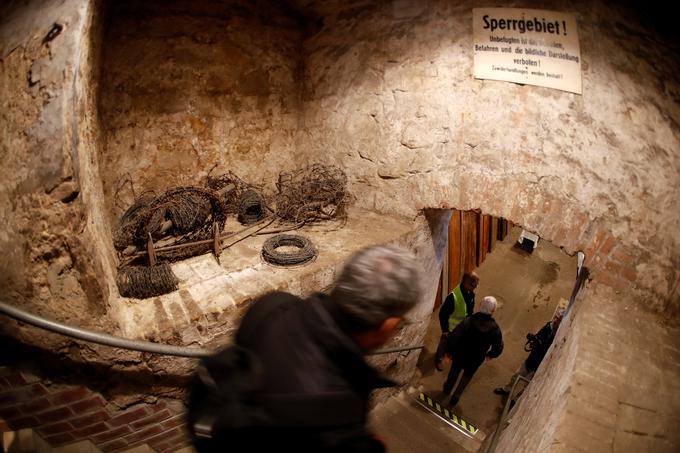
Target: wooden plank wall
pixel 502 229
pixel 472 236
pixel 469 247
pixel 440 297
pixel 484 240
pixel 455 256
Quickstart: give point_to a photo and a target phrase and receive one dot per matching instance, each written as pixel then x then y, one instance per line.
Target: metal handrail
pixel 504 414
pixel 98 337
pixel 399 349
pixel 124 343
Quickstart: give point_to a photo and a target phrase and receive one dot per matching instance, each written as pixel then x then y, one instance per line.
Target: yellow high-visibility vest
pixel 459 308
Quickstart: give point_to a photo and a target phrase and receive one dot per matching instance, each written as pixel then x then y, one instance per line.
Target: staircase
pixel 409 421
pixel 413 421
pixel 28 441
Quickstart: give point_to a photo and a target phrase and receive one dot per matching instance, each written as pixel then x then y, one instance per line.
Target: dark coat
pixel 313 389
pixel 477 337
pixel 542 341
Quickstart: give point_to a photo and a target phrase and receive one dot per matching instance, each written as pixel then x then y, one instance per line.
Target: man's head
pixel 488 305
pixel 469 282
pixel 377 286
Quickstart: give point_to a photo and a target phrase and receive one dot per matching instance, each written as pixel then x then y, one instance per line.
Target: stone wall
pixel 56 255
pixel 189 87
pixel 383 89
pixel 389 91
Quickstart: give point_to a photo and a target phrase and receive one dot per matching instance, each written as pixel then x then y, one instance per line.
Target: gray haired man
pixel 474 340
pixel 308 386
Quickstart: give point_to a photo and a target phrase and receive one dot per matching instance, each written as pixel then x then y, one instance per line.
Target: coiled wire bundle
pixel 187 210
pixel 316 192
pixel 141 282
pixel 251 207
pixel 304 253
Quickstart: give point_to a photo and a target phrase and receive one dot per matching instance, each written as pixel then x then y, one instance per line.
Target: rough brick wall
pixel 602 388
pixel 63 414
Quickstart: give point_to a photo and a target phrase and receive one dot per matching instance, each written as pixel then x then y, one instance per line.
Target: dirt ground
pixel 528 287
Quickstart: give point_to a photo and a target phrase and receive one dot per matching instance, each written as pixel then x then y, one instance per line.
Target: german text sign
pixel 529 46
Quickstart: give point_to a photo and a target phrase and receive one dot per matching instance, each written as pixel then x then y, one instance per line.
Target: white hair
pixel 488 305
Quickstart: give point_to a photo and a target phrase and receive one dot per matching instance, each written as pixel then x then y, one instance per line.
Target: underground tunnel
pixel 107 104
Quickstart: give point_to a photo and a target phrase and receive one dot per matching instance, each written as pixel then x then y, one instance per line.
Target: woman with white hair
pixel 474 340
pixel 538 344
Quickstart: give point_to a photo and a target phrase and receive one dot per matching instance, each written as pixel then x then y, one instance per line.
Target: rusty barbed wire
pixel 141 282
pixel 252 207
pixel 316 192
pixel 303 251
pixel 185 221
pixel 189 211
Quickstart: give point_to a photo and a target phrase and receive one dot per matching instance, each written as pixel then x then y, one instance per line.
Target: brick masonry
pixel 63 414
pixel 212 296
pixel 602 387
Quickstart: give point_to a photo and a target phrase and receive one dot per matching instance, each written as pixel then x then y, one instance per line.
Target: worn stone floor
pixel 528 286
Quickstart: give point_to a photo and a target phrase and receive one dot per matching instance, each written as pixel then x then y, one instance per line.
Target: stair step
pixel 28 441
pixel 407 426
pixel 432 405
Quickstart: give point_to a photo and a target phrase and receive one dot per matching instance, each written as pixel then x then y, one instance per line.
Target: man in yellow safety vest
pixel 458 304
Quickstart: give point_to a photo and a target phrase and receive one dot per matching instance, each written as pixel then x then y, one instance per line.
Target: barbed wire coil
pixel 304 253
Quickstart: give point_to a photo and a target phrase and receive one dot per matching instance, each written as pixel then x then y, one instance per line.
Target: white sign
pixel 529 46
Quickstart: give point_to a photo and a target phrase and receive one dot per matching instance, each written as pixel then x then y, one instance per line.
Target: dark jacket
pixel 477 337
pixel 540 344
pixel 312 394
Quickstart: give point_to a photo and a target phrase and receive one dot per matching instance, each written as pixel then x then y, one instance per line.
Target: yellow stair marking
pixel 449 415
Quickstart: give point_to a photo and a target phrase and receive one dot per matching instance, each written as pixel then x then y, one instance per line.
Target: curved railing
pixel 124 343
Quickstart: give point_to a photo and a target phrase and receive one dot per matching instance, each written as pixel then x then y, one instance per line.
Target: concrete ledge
pixel 212 297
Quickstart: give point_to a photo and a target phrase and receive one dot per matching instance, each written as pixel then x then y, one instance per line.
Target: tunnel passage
pixel 530 284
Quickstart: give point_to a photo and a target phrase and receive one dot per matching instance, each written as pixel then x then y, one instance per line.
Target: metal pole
pixel 390 350
pixel 124 343
pixel 506 409
pixel 98 337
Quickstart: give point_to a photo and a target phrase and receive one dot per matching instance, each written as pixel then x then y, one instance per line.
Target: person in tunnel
pixel 296 377
pixel 459 304
pixel 538 345
pixel 476 339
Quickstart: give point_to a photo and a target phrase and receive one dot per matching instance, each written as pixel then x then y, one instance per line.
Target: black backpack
pixel 231 410
pixel 223 398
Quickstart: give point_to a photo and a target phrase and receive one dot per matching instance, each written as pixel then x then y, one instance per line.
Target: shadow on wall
pixel 57 368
